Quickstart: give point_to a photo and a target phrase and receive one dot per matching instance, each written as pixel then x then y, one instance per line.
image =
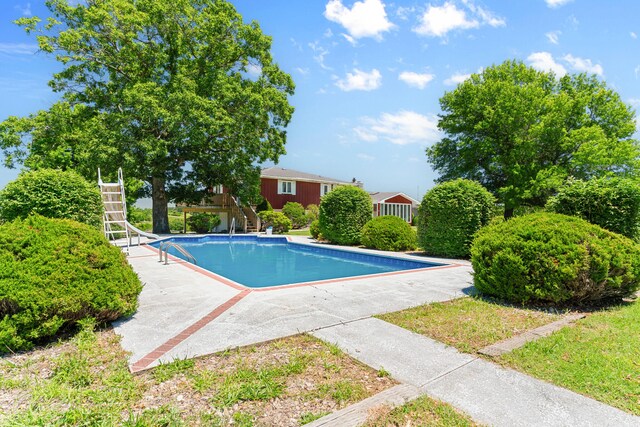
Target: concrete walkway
pixel 485 391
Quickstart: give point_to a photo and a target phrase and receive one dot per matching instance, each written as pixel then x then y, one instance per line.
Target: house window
pixel 286 187
pixel 325 188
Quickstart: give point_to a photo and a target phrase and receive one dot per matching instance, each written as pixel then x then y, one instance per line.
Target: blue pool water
pixel 259 262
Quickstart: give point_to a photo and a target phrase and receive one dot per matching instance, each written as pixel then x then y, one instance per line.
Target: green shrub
pixel 277 220
pixel 54 273
pixel 343 213
pixel 177 224
pixel 611 203
pixel 450 214
pixel 54 194
pixel 136 214
pixel 295 212
pixel 264 205
pixel 202 222
pixel 388 233
pixel 144 226
pixel 313 213
pixel 548 257
pixel 314 229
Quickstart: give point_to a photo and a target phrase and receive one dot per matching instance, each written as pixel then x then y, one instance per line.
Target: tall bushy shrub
pixel 388 233
pixel 55 272
pixel 277 220
pixel 611 203
pixel 343 213
pixel 54 194
pixel 547 257
pixel 313 212
pixel 264 205
pixel 450 214
pixel 295 212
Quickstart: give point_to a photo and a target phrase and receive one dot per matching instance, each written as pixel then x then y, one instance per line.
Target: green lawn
pixel 85 381
pixel 303 232
pixel 422 411
pixel 599 357
pixel 469 324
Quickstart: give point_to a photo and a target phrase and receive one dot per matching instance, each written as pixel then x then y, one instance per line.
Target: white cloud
pixel 366 157
pixel 437 21
pixel 456 78
pixel 543 61
pixel 24 10
pixel 636 71
pixel 404 12
pixel 635 102
pixel 486 16
pixel 18 48
pixel 416 79
pixel 404 127
pixel 350 39
pixel 367 18
pixel 557 3
pixel 633 35
pixel 303 71
pixel 320 53
pixel 360 80
pixel 553 36
pixel 583 65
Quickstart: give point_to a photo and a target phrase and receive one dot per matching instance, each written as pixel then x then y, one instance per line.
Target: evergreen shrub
pixel 554 258
pixel 200 222
pixel 54 194
pixel 295 212
pixel 313 212
pixel 53 274
pixel 611 203
pixel 388 233
pixel 314 229
pixel 450 214
pixel 343 213
pixel 277 220
pixel 264 205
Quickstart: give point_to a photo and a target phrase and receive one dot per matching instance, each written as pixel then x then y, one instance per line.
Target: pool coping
pixel 371 252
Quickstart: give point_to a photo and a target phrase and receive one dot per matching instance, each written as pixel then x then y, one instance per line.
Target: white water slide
pixel 114 221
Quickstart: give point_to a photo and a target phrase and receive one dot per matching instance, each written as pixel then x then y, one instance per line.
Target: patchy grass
pixel 598 356
pixel 469 324
pixel 86 381
pixel 422 411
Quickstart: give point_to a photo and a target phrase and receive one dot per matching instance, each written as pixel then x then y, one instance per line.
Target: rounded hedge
pixel 611 203
pixel 343 213
pixel 200 222
pixel 54 273
pixel 449 216
pixel 295 212
pixel 388 233
pixel 554 258
pixel 54 194
pixel 277 220
pixel 314 229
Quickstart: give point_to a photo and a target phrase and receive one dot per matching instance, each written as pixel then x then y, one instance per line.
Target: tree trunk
pixel 160 209
pixel 508 212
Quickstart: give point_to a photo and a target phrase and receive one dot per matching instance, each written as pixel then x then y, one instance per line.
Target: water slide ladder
pixel 114 221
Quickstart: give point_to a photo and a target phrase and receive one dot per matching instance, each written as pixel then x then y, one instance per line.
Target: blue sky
pixel 369 73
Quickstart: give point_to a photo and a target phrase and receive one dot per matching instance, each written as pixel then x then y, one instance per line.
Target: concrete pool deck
pixel 184 312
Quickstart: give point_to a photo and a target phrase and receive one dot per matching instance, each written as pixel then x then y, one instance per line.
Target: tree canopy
pixel 182 94
pixel 522 132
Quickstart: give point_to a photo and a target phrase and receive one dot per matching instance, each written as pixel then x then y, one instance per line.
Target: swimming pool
pixel 259 262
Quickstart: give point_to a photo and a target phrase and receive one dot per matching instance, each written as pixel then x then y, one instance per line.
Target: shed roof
pixel 282 173
pixel 382 196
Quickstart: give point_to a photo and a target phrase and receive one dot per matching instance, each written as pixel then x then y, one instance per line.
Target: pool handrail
pixel 164 247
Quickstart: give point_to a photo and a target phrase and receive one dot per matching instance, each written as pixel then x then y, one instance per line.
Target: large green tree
pixel 521 132
pixel 182 94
